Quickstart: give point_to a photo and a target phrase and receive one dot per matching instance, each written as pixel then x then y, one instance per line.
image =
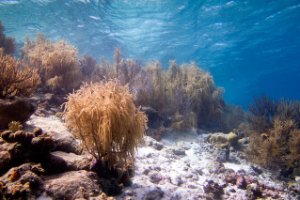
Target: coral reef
pixel 22 182
pixel 185 93
pixel 22 146
pixel 105 118
pixel 57 63
pixel 6 43
pixel 31 166
pixel 275 137
pixel 16 79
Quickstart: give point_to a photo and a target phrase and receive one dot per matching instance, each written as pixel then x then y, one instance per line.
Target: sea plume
pixel 104 117
pixel 16 79
pixel 57 63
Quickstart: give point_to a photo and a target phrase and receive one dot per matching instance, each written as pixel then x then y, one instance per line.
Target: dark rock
pixel 253 191
pixel 111 187
pixel 54 164
pixel 158 146
pixel 42 144
pixel 6 135
pixel 178 152
pixel 72 185
pixel 53 99
pixel 256 169
pixel 5 160
pixel 112 180
pixel 155 177
pixel 223 154
pixel 22 182
pixel 154 119
pixel 176 180
pixel 66 143
pixel 16 109
pixel 240 182
pixel 37 131
pixel 21 137
pixel 213 189
pixel 74 162
pixel 231 178
pixel 154 194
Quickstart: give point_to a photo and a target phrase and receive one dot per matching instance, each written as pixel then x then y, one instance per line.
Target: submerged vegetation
pixel 56 62
pixel 274 132
pixel 111 104
pixel 104 117
pixel 16 79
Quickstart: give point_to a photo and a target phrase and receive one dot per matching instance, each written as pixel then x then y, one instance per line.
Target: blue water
pixel 250 47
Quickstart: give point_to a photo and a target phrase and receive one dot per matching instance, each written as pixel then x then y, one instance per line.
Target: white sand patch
pixel 237 167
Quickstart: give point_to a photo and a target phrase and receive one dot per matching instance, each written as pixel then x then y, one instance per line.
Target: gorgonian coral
pixel 15 79
pixel 57 62
pixel 104 117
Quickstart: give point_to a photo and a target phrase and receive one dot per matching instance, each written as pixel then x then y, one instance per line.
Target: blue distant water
pixel 250 47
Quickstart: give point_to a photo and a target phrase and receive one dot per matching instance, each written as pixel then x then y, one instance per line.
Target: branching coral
pixel 54 60
pixel 275 141
pixel 6 43
pixel 105 118
pixel 185 91
pixel 15 79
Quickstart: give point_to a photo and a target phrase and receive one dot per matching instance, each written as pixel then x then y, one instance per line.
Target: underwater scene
pixel 149 99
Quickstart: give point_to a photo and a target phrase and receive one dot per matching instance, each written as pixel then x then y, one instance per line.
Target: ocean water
pixel 251 47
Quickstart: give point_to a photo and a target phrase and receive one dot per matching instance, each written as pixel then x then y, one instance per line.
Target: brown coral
pixel 278 146
pixel 57 62
pixel 16 79
pixel 105 118
pixel 185 91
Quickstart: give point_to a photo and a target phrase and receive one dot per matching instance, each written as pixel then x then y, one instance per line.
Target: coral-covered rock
pixel 23 182
pixel 221 139
pixel 16 109
pixel 23 146
pixel 72 185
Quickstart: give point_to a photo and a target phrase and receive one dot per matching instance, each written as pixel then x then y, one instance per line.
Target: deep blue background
pixel 250 47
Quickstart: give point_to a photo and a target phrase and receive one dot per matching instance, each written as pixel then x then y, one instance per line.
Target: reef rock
pixel 22 182
pixel 73 161
pixel 15 109
pixel 72 185
pixel 221 140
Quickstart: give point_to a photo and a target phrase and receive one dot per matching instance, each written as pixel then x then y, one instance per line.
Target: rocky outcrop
pixel 22 146
pixel 15 109
pixel 22 182
pixel 72 185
